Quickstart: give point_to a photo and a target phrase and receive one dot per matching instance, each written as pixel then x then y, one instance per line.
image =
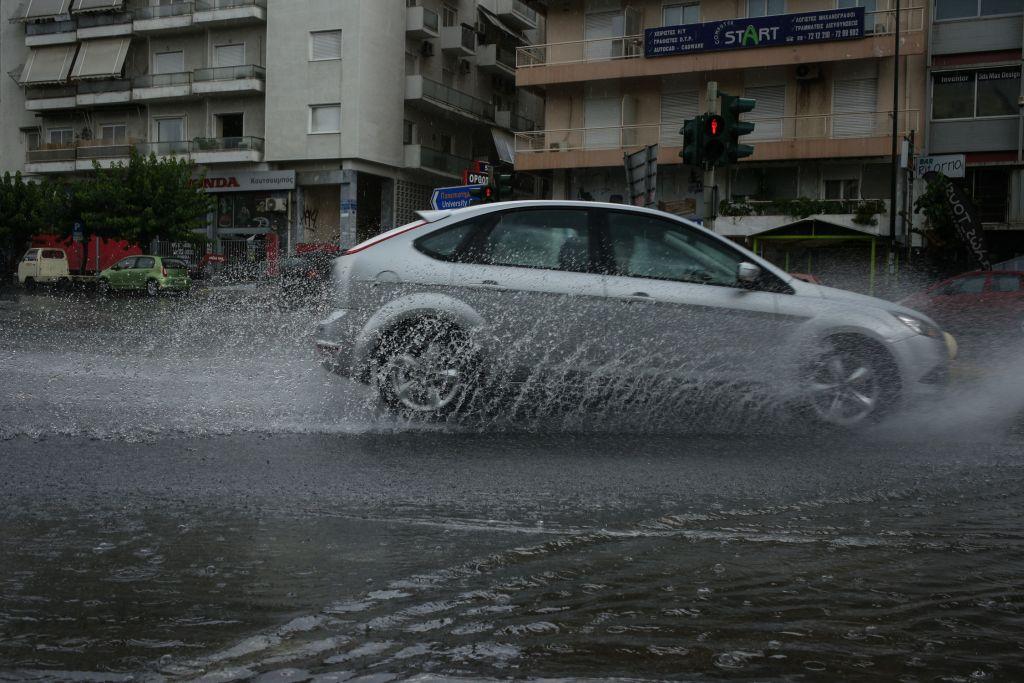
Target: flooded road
pixel 186 494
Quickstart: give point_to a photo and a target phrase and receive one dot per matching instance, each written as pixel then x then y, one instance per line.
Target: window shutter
pixel 326 45
pixel 229 55
pixel 168 62
pixel 769 112
pixel 853 107
pixel 602 118
pixel 676 108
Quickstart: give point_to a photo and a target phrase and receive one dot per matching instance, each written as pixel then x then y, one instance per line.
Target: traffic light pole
pixel 710 210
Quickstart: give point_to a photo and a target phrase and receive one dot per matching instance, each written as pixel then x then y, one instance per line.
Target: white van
pixel 44 267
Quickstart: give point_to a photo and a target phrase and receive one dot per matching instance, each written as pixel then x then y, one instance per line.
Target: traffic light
pixel 692 146
pixel 502 185
pixel 714 139
pixel 732 107
pixel 481 194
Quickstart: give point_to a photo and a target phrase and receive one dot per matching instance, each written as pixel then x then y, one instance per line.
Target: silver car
pixel 499 295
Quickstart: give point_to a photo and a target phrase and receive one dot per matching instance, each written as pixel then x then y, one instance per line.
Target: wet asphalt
pixel 186 494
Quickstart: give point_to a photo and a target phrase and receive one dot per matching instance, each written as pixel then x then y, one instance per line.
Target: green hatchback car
pixel 149 274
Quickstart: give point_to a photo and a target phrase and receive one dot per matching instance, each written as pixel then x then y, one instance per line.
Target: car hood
pixel 843 296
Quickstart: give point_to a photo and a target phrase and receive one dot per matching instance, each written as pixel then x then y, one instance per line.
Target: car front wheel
pixel 850 382
pixel 426 369
pixel 103 287
pixel 152 288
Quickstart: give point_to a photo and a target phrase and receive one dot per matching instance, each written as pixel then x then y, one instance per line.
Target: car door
pixel 140 272
pixel 528 273
pixel 675 304
pixel 120 274
pixel 1003 301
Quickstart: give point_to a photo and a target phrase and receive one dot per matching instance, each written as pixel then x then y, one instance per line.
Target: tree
pixel 943 244
pixel 23 213
pixel 145 199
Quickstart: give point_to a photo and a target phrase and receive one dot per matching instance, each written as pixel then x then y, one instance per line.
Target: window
pixel 125 263
pixel 325 118
pixel 676 107
pixel 30 256
pixel 680 13
pixel 229 55
pixel 1006 283
pixel 848 188
pixel 870 7
pixel 230 125
pixel 62 137
pixel 144 262
pixel 170 130
pixel 447 143
pixel 854 103
pixel 54 254
pixel 962 9
pixel 444 243
pixel 975 94
pixel 174 264
pixel 449 16
pixel 644 246
pixel 324 45
pixel 769 113
pixel 408 132
pixel 600 30
pixel 765 8
pixel 555 240
pixel 33 139
pixel 114 133
pixel 168 62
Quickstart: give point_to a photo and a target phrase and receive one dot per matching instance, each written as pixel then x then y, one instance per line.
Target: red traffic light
pixel 715 125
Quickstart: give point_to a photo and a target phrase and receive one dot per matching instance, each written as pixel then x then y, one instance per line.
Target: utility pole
pixel 710 210
pixel 895 143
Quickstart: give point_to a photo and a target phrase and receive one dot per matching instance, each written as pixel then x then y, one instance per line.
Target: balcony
pixel 458 40
pixel 51 33
pixel 175 16
pixel 51 158
pixel 232 80
pixel 434 97
pixel 421 22
pixel 623 57
pixel 247 149
pixel 825 136
pixel 157 87
pixel 50 98
pixel 513 121
pixel 494 59
pixel 516 13
pixel 435 162
pixel 104 25
pixel 212 12
pixel 103 92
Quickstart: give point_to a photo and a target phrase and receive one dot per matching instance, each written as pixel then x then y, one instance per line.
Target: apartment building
pixel 823 84
pixel 975 99
pixel 318 120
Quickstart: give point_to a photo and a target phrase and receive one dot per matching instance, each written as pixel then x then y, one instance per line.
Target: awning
pixel 497 23
pixel 50 64
pixel 505 143
pixel 43 9
pixel 102 58
pixel 96 5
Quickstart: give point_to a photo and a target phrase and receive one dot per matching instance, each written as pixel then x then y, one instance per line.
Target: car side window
pixel 125 263
pixel 444 244
pixel 1005 283
pixel 144 263
pixel 648 246
pixel 553 239
pixel 53 254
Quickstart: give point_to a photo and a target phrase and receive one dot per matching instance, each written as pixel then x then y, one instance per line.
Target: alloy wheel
pixel 429 381
pixel 152 289
pixel 844 388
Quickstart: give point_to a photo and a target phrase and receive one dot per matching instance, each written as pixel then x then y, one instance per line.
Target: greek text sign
pixel 251 181
pixel 742 34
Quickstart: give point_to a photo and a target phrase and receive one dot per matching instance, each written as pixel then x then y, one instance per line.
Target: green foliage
pixel 27 209
pixel 864 211
pixel 934 206
pixel 146 198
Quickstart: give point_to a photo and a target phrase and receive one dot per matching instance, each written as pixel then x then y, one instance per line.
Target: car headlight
pixel 919 326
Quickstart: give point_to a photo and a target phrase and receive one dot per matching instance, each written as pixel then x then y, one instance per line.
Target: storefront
pixel 250 203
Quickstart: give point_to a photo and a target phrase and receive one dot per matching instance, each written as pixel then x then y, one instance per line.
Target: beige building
pixel 318 120
pixel 823 116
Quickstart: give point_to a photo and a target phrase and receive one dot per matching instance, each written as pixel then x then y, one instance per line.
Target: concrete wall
pixel 12 98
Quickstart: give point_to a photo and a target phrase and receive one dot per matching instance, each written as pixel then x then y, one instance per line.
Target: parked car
pixel 515 290
pixel 807 277
pixel 305 276
pixel 978 302
pixel 44 267
pixel 149 274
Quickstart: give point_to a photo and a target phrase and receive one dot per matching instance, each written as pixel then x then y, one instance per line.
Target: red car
pixel 975 302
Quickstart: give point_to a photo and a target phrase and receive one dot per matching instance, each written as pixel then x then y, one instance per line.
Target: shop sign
pixel 949 165
pixel 250 181
pixel 755 32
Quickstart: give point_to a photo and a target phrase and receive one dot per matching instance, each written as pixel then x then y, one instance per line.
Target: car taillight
pixel 164 271
pixel 381 238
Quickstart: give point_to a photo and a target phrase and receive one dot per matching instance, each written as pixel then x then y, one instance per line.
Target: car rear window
pixel 175 264
pixel 1006 283
pixel 53 254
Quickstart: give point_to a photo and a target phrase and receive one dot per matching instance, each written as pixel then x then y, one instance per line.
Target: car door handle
pixel 487 283
pixel 639 298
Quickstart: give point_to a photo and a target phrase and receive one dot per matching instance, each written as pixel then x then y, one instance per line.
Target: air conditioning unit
pixel 427 49
pixel 808 72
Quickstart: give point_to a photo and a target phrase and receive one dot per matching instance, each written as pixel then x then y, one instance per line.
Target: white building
pixel 345 113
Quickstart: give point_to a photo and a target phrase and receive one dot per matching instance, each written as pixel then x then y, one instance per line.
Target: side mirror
pixel 747 273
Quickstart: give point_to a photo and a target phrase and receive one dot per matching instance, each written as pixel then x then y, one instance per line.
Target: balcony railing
pixel 825 126
pixel 105 149
pixel 211 5
pixel 93 20
pixel 163 80
pixel 161 149
pixel 244 143
pixel 50 28
pixel 176 9
pixel 443 94
pixel 878 23
pixel 525 11
pixel 229 73
pixel 442 161
pixel 51 153
pixel 514 121
pixel 107 85
pixel 50 92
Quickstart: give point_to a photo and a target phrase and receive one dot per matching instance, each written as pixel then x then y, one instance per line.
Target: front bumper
pixel 334 342
pixel 924 364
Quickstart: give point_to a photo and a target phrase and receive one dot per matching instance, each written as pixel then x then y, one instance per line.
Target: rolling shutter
pixel 602 118
pixel 325 45
pixel 853 108
pixel 229 55
pixel 168 62
pixel 96 5
pixel 48 64
pixel 42 9
pixel 599 25
pixel 676 108
pixel 769 112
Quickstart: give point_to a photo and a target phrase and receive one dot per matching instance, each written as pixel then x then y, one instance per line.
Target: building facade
pixel 318 120
pixel 975 100
pixel 823 116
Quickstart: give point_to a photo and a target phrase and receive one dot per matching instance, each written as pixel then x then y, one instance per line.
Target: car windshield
pixel 175 264
pixel 31 256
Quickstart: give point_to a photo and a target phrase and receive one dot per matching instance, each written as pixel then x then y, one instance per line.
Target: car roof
pixel 480 209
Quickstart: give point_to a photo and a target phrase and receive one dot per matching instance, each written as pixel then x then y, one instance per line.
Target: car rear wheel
pixel 426 369
pixel 152 288
pixel 30 284
pixel 850 382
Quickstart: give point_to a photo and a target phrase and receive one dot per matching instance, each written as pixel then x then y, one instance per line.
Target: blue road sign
pixel 452 197
pixel 78 231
